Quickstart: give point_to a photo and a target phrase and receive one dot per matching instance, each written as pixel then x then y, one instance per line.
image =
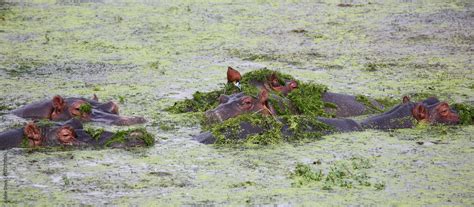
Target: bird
pixel 234 77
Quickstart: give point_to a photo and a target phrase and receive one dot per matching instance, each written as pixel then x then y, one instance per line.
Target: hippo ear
pixel 58 103
pixel 31 130
pixel 443 109
pixel 406 99
pixel 263 96
pixel 420 112
pixel 263 99
pixel 33 133
pixel 95 98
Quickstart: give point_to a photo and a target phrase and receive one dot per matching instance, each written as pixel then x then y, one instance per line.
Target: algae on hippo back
pixel 306 99
pixel 257 129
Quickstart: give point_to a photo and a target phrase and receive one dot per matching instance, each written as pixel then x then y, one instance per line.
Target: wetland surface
pixel 146 55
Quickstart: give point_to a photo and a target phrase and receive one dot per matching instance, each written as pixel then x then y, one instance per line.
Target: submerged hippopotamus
pixel 237 104
pixel 431 110
pixel 403 115
pixel 71 133
pixel 345 105
pixel 61 109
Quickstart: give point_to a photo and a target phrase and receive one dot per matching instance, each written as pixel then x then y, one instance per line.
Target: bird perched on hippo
pixel 286 94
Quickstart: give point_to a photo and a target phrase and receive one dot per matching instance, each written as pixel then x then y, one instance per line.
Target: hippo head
pixel 436 113
pixel 80 107
pixel 275 84
pixel 38 136
pixel 90 110
pixel 237 104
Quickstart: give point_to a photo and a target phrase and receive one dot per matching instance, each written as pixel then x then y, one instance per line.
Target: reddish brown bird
pixel 234 77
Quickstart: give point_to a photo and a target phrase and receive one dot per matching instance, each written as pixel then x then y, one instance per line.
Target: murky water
pixel 152 53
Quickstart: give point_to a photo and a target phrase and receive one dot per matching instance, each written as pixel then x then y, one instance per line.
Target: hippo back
pixel 398 117
pixel 11 139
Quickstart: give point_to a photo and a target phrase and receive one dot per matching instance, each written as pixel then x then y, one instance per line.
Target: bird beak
pixel 237 84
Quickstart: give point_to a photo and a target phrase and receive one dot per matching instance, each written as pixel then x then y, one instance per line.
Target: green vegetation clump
pixel 388 102
pixel 257 129
pixel 259 76
pixel 304 174
pixel 95 133
pixel 344 173
pixel 131 135
pixel 466 113
pixel 250 129
pixel 365 100
pixel 85 108
pixel 304 127
pixel 201 101
pixel 44 123
pixel 307 99
pixel 25 142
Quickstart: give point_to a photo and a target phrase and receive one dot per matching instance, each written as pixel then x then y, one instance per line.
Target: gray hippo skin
pixel 62 109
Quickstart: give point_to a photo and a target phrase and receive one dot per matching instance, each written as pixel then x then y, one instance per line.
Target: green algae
pixel 25 142
pixel 304 128
pixel 343 173
pixel 343 38
pixel 44 123
pixel 201 101
pixel 85 108
pixel 231 132
pixel 131 135
pixel 95 133
pixel 258 130
pixel 303 174
pixel 307 98
pixel 466 113
pixel 368 103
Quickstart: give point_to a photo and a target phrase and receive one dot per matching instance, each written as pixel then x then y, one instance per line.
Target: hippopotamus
pixel 62 109
pixel 320 125
pixel 345 105
pixel 404 115
pixel 431 110
pixel 69 133
pixel 237 104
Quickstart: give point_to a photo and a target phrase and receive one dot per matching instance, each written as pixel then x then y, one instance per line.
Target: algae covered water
pixel 146 55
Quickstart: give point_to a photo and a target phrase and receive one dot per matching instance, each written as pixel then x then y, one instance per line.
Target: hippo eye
pixel 77 110
pixel 444 112
pixel 246 101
